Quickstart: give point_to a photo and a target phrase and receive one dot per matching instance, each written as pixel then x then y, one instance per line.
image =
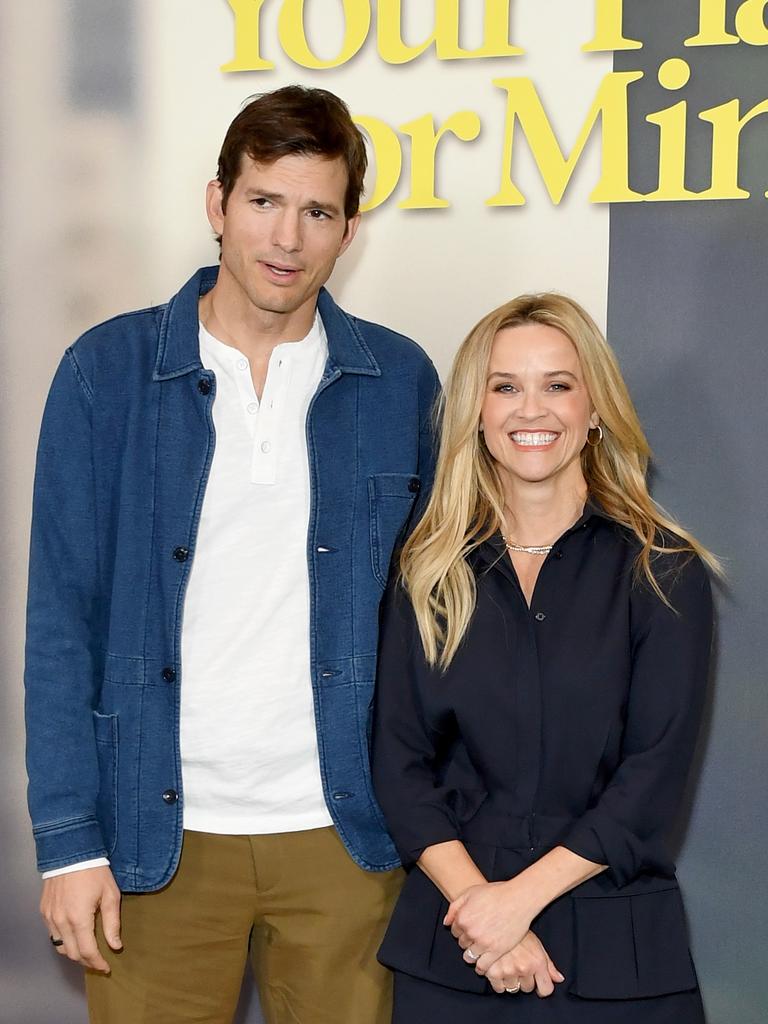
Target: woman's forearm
pixel 451 868
pixel 453 871
pixel 493 918
pixel 554 874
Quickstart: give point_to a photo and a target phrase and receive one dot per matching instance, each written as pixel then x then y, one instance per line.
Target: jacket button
pixel 414 485
pixel 204 386
pixel 170 796
pixel 169 675
pixel 540 616
pixel 558 553
pixel 181 554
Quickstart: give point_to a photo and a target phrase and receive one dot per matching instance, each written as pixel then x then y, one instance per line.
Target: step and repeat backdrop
pixel 614 151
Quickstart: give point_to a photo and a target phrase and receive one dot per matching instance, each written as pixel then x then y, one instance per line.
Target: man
pixel 220 485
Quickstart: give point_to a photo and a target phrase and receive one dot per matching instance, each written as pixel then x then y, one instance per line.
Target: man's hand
pixel 69 904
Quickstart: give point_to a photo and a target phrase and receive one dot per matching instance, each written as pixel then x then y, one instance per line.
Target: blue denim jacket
pixel 124 455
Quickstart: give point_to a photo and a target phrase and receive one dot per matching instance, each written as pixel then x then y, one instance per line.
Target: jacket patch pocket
pixel 630 947
pixel 391 497
pixel 105 730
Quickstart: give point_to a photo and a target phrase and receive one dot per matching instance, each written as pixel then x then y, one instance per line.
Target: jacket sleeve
pixel 62 610
pixel 627 827
pixel 405 746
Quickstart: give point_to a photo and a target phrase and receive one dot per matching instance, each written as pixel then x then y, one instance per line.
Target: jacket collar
pixel 178 348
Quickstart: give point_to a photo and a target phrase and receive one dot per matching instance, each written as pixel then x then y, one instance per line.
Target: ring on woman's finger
pixel 472 956
pixel 56 942
pixel 515 989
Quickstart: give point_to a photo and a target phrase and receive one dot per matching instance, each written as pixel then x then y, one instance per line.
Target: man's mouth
pixel 280 269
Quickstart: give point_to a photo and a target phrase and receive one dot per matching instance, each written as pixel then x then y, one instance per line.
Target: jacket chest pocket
pixel 391 497
pixel 631 947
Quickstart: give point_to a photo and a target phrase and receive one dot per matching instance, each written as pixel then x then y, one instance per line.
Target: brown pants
pixel 311 917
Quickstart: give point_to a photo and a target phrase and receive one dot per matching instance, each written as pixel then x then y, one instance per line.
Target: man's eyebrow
pixel 264 194
pixel 277 197
pixel 321 204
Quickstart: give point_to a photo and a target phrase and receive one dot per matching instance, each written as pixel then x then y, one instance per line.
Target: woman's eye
pixel 559 386
pixel 505 389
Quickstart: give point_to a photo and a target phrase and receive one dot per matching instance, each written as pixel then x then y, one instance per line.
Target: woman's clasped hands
pixel 492 925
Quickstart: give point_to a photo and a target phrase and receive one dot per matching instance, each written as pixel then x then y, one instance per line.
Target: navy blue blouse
pixel 570 722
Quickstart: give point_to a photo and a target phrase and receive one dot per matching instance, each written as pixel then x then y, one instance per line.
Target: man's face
pixel 283 230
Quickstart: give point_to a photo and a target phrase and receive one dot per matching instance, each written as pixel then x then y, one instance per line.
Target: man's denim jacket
pixel 124 455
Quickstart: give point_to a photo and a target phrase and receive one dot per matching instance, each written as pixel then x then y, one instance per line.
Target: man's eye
pixel 260 201
pixel 318 214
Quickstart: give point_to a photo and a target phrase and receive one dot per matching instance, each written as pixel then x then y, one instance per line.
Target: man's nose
pixel 287 231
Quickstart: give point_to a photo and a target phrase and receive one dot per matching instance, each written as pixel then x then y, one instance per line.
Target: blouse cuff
pixel 427 826
pixel 603 841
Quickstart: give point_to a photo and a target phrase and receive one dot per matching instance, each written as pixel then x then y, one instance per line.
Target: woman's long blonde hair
pixel 467 501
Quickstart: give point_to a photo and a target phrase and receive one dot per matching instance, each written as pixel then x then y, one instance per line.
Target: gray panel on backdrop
pixel 687 313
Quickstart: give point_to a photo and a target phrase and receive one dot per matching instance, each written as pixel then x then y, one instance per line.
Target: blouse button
pixel 540 616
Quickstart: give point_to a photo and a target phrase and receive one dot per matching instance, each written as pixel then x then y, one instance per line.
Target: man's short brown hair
pixel 297 120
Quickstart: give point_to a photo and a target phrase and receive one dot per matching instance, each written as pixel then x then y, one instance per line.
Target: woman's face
pixel 537 410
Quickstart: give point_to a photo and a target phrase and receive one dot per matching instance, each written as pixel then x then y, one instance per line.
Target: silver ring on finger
pixel 472 956
pixel 516 988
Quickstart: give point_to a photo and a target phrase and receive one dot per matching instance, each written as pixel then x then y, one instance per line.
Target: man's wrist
pixel 81 865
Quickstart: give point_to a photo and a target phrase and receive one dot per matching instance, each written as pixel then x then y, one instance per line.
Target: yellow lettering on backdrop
pixel 673 74
pixel 523 104
pixel 750 22
pixel 247 53
pixel 726 130
pixel 293 37
pixel 609 32
pixel 465 125
pixel 445 36
pixel 712 30
pixel 388 155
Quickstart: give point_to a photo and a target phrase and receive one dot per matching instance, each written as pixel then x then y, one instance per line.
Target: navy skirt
pixel 418 1002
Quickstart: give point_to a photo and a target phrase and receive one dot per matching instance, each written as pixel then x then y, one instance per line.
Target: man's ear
pixel 214 207
pixel 349 233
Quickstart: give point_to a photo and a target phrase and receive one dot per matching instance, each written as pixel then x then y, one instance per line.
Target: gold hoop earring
pixel 594 444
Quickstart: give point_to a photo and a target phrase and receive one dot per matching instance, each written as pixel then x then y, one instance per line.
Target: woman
pixel 543 662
